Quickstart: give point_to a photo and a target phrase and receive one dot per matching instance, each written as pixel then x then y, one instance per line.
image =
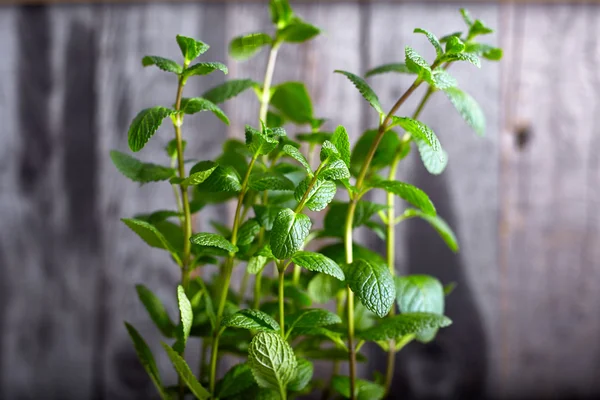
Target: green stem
pixel 266 91
pixel 281 268
pixel 187 219
pixel 349 225
pixel 350 299
pixel 213 360
pixel 391 240
pixel 228 269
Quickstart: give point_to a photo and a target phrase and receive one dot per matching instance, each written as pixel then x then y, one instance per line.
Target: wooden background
pixel 527 324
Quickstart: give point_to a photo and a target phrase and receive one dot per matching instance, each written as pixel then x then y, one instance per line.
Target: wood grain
pixel 550 260
pixel 521 200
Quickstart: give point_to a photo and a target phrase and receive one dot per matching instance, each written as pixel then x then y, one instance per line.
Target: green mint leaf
pixel 260 142
pixel 186 374
pixel 213 240
pixel 422 134
pixel 442 79
pixel 145 125
pixel 248 232
pixel 251 320
pixel 335 219
pixel 311 317
pixel 438 224
pixel 138 171
pixel 484 50
pixel 417 64
pixel 156 310
pixel 147 360
pixel 274 120
pixel 364 89
pixel 237 380
pixel 373 284
pixel 445 39
pixel 303 375
pixel 266 215
pixel 222 179
pixel 272 361
pixel 293 101
pixel 318 263
pixel 191 48
pixel 449 288
pixel 186 318
pixel 335 170
pixel 228 90
pixel 454 45
pixel 314 138
pixel 256 264
pixel 281 12
pixel 341 141
pixel 320 195
pixel 392 67
pixel 197 104
pixel 466 16
pixel 244 47
pixel 434 161
pixel 323 288
pixel 365 390
pixel 433 40
pixel 198 177
pixel 404 324
pixel 204 68
pixel 150 235
pixel 407 192
pixel 297 31
pixel 384 155
pixel 288 233
pixel 171 148
pixel 420 293
pixel 329 151
pixel 468 108
pixel 270 181
pixel 479 28
pixel 163 63
pixel 297 155
pixel 470 57
pixel 335 337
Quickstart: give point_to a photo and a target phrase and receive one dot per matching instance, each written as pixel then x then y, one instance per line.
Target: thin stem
pixel 390 223
pixel 350 219
pixel 312 182
pixel 350 299
pixel 228 269
pixel 266 91
pixel 187 220
pixel 213 360
pixel 281 268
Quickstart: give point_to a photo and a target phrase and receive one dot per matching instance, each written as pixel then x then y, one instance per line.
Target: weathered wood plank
pixel 456 364
pixel 550 260
pixel 51 241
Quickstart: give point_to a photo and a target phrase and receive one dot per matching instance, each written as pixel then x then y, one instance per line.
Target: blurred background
pixel 522 200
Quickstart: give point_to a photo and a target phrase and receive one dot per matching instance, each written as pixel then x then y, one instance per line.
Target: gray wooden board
pixel 549 265
pixel 525 315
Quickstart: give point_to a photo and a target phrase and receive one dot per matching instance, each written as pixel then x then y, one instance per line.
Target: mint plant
pixel 275 181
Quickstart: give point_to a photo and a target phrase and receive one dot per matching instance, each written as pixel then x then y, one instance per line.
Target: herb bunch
pixel 274 180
